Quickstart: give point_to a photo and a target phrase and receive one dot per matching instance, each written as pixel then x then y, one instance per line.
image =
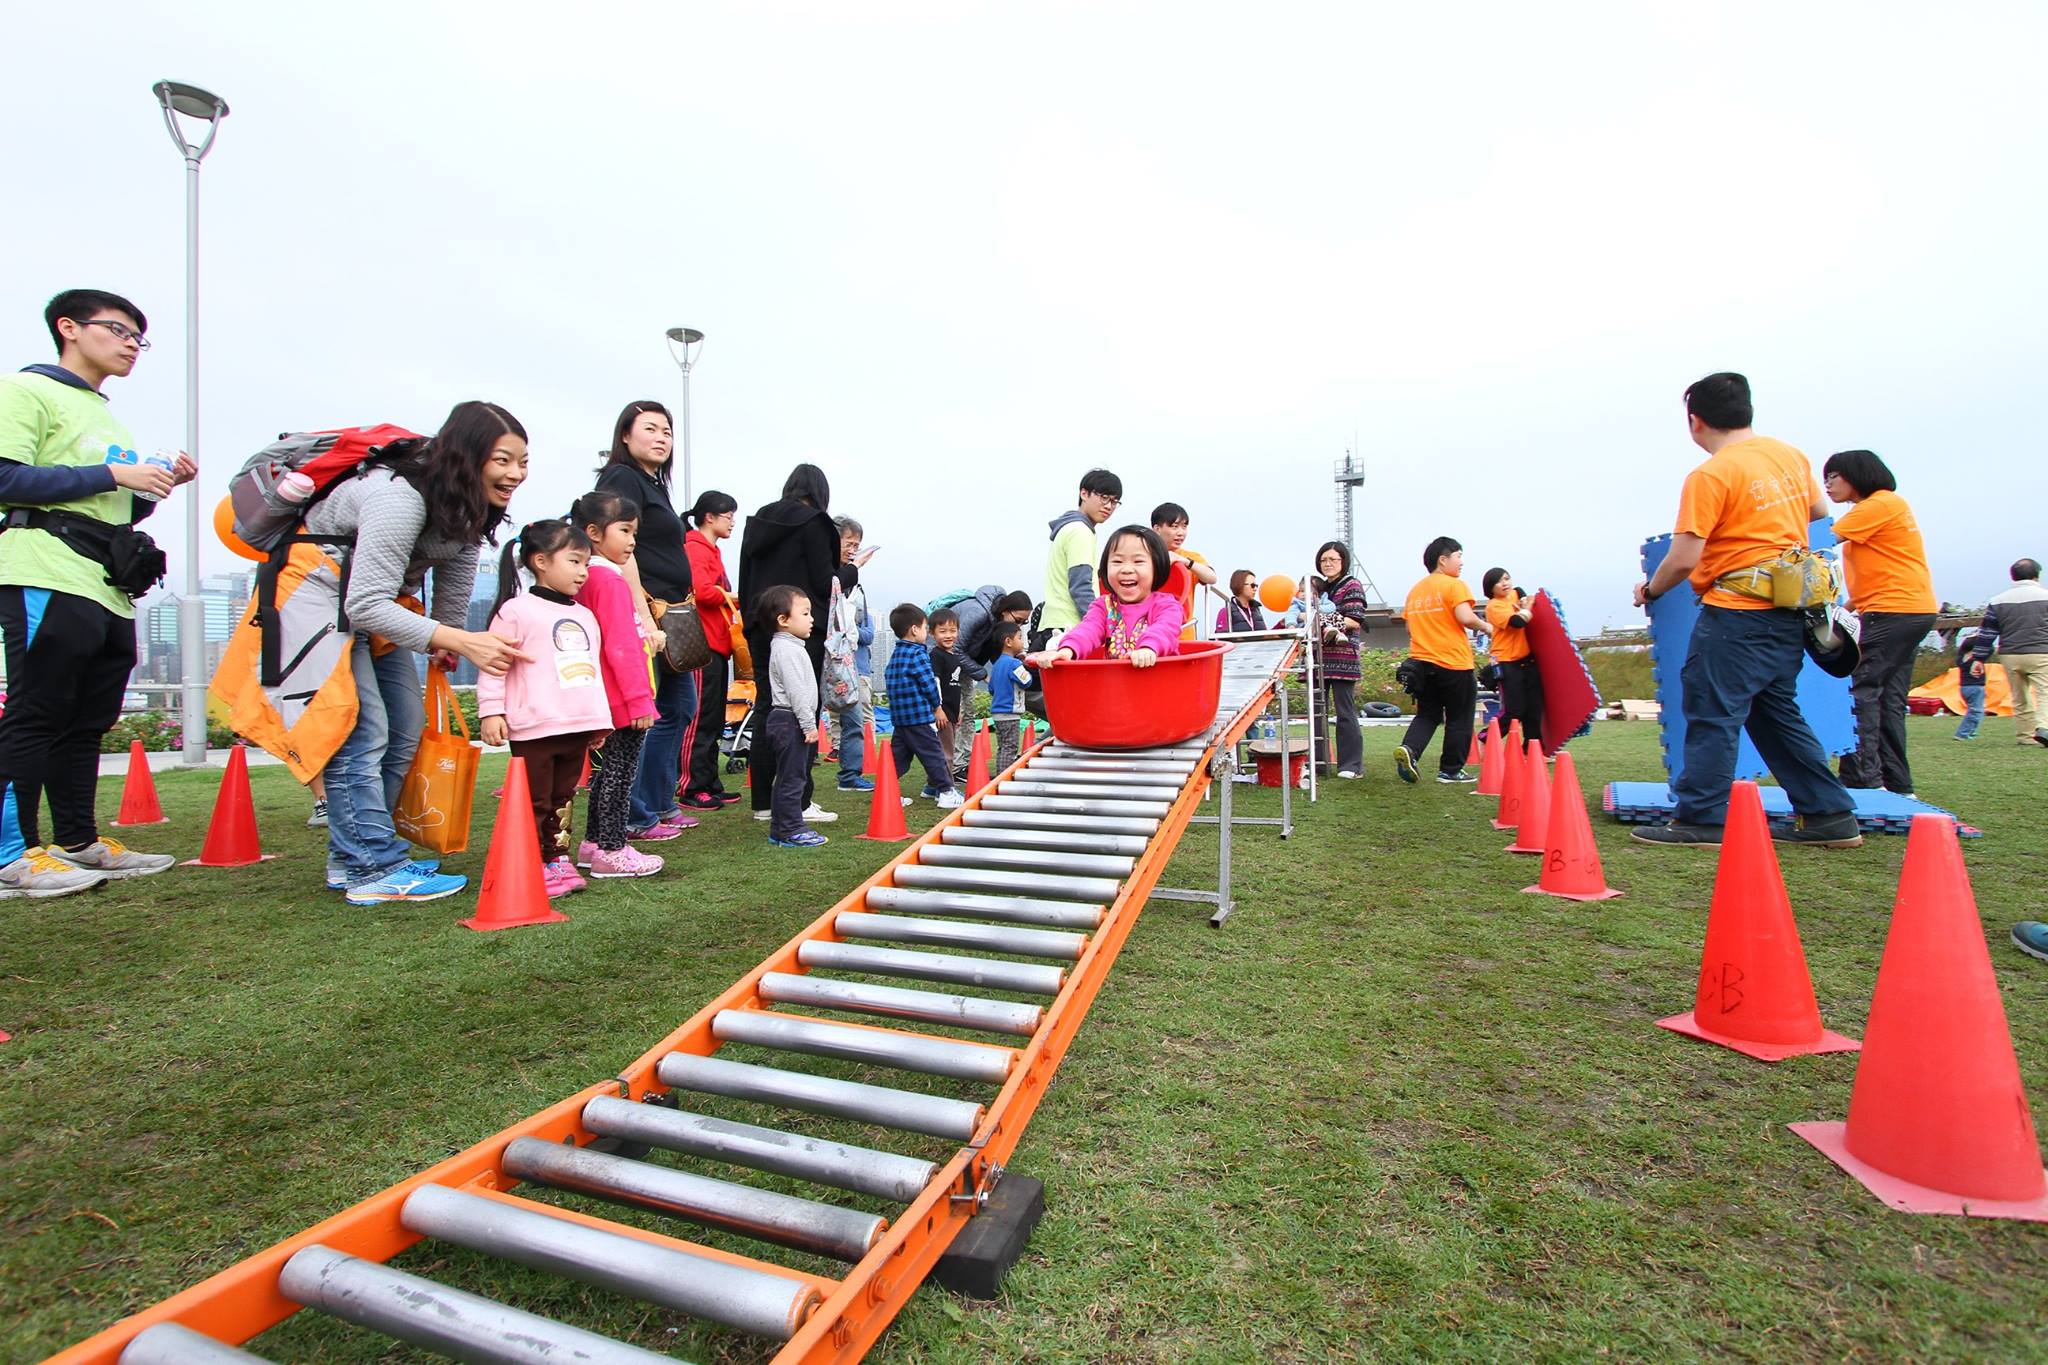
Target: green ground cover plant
pixel 1393 1110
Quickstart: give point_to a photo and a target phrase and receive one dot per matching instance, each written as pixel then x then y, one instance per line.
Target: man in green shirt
pixel 1070 564
pixel 66 468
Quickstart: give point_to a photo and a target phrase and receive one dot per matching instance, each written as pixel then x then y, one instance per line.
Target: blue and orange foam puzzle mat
pixel 1879 812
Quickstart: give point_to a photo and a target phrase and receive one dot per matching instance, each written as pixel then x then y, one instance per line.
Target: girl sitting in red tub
pixel 1130 620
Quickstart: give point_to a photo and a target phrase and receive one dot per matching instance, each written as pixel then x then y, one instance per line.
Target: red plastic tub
pixel 1108 704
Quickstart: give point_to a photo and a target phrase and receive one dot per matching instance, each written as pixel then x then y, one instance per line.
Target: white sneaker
pixel 36 875
pixel 764 815
pixel 815 814
pixel 318 819
pixel 113 859
pixel 1347 774
pixel 948 799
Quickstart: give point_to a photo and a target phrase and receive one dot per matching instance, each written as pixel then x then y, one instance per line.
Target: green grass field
pixel 1393 1110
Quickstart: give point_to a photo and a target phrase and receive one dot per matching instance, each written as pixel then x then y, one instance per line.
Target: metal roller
pixel 171 1343
pixel 894 1002
pixel 1007 909
pixel 981 818
pixel 935 1115
pixel 840 1165
pixel 904 1052
pixel 1045 840
pixel 988 938
pixel 1109 865
pixel 454 1323
pixel 1081 791
pixel 750 1300
pixel 1049 805
pixel 1100 777
pixel 989 973
pixel 1093 890
pixel 806 1224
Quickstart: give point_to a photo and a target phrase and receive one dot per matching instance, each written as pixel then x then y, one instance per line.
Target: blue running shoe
pixel 859 784
pixel 2031 938
pixel 407 882
pixel 337 876
pixel 808 838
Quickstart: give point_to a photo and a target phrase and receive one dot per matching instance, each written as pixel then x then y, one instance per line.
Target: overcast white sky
pixel 957 254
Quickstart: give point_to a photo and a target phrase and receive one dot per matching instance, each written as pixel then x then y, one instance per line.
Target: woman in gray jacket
pixel 426 511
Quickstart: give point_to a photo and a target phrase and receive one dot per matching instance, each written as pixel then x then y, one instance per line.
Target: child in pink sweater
pixel 551 706
pixel 1129 620
pixel 612 522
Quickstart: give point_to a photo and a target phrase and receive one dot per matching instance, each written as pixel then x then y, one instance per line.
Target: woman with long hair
pixel 424 512
pixel 711 520
pixel 793 542
pixel 638 467
pixel 1892 593
pixel 1339 601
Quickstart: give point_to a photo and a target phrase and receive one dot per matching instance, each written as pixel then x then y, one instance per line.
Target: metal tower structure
pixel 1350 474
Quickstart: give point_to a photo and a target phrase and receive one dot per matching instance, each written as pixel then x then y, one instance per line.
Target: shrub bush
pixel 159 731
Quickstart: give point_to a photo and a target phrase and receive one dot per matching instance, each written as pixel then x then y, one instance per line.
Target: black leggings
pixel 1883 676
pixel 1521 697
pixel 708 731
pixel 611 788
pixel 68 661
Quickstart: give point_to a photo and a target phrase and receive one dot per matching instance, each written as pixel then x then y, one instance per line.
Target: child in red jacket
pixel 612 521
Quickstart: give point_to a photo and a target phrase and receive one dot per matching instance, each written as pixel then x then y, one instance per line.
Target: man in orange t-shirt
pixel 1437 613
pixel 1749 503
pixel 1170 520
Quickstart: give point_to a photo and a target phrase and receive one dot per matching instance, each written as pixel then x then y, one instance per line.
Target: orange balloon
pixel 1276 591
pixel 224 527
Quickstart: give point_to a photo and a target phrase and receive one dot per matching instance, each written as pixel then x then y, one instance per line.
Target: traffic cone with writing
pixel 1754 992
pixel 885 808
pixel 231 839
pixel 1509 813
pixel 1571 860
pixel 1938 1120
pixel 1492 767
pixel 978 756
pixel 513 892
pixel 139 805
pixel 1534 826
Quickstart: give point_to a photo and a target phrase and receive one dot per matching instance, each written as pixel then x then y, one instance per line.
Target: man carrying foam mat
pixel 1740 540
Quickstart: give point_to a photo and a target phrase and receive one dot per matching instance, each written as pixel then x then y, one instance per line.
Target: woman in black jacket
pixel 790 541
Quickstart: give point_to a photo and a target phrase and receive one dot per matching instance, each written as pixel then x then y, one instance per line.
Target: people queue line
pixel 565 671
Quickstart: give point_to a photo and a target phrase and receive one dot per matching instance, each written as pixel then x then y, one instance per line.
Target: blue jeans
pixel 1741 671
pixel 367 771
pixel 852 742
pixel 1973 714
pixel 661 757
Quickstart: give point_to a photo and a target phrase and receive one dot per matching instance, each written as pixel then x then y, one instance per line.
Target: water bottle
pixel 295 487
pixel 163 459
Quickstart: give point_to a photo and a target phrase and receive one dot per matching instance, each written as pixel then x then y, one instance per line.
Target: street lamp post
pixel 684 345
pixel 208 109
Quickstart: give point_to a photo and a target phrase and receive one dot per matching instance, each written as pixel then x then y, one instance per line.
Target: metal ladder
pixel 1049 864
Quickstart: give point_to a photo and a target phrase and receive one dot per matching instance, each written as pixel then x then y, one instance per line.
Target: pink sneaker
pixel 680 819
pixel 585 851
pixel 556 878
pixel 655 834
pixel 569 874
pixel 625 862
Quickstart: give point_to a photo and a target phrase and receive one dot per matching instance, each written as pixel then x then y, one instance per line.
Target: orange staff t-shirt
pixel 1187 594
pixel 1434 635
pixel 1884 558
pixel 1749 503
pixel 1509 642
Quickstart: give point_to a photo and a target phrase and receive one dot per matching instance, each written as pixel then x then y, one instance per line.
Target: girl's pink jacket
pixel 1152 624
pixel 626 685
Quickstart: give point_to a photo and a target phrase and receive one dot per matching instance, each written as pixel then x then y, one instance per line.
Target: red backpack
pixel 266 510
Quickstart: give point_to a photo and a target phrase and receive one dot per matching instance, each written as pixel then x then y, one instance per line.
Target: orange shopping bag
pixel 433 806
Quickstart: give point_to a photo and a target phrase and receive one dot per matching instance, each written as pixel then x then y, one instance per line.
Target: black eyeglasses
pixel 121 330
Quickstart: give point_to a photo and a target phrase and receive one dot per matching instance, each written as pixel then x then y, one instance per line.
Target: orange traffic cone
pixel 513 892
pixel 885 810
pixel 1509 813
pixel 868 752
pixel 583 782
pixel 1754 992
pixel 1472 753
pixel 1491 762
pixel 825 750
pixel 1534 827
pixel 139 805
pixel 978 756
pixel 231 834
pixel 1938 1120
pixel 1571 860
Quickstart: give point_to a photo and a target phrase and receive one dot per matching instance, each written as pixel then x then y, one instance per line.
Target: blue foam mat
pixel 1823 700
pixel 1878 811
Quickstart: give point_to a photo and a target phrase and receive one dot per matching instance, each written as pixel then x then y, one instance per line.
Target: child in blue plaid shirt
pixel 914 701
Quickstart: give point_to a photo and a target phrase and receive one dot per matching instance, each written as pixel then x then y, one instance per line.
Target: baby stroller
pixel 737 739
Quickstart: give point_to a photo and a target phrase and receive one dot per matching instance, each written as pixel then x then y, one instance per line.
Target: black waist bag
pixel 132 560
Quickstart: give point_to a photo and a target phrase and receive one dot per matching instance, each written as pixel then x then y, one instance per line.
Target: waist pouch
pixel 132 560
pixel 1797 580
